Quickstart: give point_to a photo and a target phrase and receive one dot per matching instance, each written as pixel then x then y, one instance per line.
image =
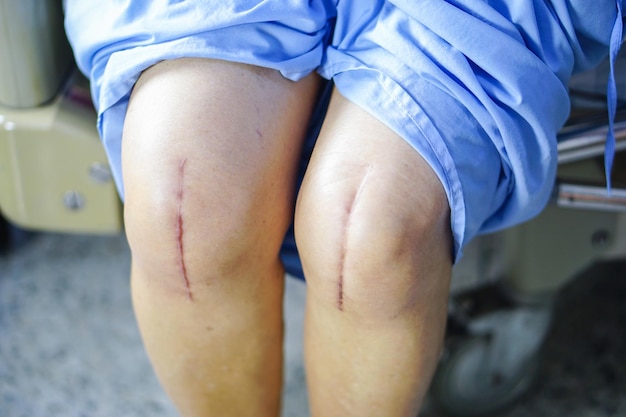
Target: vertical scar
pixel 180 228
pixel 344 247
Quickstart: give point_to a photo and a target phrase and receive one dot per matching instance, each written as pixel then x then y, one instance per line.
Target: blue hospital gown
pixel 477 87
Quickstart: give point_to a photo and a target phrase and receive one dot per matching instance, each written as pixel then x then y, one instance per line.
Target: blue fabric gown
pixel 477 87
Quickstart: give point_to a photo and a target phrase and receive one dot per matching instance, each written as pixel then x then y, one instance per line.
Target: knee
pixel 368 252
pixel 185 239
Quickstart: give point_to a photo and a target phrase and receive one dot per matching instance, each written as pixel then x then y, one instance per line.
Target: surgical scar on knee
pixel 344 247
pixel 180 228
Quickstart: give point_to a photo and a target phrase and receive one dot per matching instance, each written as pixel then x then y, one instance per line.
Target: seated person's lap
pixel 411 66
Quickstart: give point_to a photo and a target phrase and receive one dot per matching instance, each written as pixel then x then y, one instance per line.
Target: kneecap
pixel 368 251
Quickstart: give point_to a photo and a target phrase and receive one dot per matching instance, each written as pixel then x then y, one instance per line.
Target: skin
pixel 209 179
pixel 372 226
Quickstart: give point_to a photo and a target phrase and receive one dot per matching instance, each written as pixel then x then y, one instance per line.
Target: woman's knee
pixel 367 248
pixel 372 220
pixel 186 240
pixel 209 182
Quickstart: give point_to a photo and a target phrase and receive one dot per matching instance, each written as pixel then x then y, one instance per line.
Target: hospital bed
pixel 493 349
pixel 54 177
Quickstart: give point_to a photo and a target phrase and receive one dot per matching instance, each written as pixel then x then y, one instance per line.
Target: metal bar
pixel 591 198
pixel 589 143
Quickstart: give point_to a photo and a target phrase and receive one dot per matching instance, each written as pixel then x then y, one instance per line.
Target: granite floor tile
pixel 69 345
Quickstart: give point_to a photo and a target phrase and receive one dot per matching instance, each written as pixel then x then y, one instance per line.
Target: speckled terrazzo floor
pixel 69 346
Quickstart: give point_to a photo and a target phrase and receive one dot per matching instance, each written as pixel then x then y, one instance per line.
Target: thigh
pixel 216 144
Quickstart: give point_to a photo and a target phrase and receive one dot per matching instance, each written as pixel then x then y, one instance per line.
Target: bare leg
pixel 209 158
pixel 372 224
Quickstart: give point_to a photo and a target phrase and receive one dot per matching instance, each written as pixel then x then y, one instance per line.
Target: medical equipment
pixel 493 355
pixel 53 171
